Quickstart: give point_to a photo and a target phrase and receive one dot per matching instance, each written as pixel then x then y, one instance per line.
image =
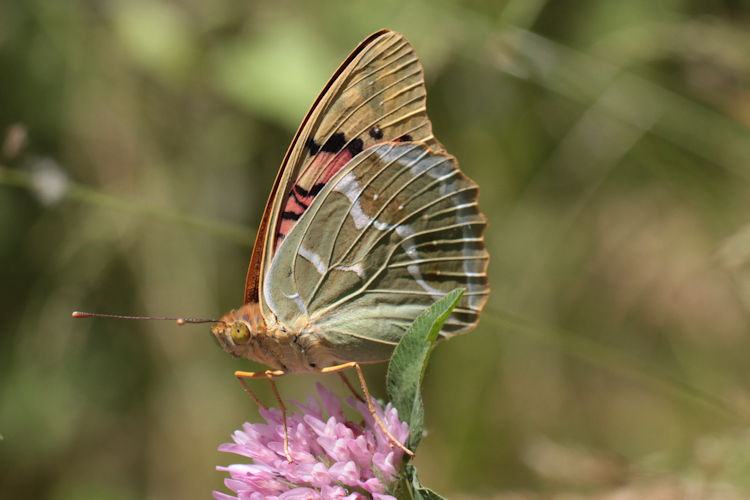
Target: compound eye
pixel 240 333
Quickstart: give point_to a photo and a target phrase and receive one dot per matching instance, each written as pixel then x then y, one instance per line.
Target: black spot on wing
pixel 297 197
pixel 312 146
pixel 376 133
pixel 301 191
pixel 290 215
pixel 317 188
pixel 355 146
pixel 404 138
pixel 335 143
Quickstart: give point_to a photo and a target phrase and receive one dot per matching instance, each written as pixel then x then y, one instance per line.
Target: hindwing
pixel 396 228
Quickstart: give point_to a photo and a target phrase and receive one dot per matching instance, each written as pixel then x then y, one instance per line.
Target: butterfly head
pixel 237 331
pixel 234 336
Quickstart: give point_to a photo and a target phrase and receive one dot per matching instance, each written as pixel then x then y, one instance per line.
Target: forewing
pixel 396 229
pixel 376 95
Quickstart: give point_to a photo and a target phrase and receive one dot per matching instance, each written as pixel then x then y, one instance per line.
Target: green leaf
pixel 419 492
pixel 407 366
pixel 428 494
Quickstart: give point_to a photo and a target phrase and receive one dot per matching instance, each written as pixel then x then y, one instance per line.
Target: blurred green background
pixel 610 140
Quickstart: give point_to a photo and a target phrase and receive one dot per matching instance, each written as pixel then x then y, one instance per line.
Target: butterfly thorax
pixel 245 333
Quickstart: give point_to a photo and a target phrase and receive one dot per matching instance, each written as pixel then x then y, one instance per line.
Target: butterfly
pixel 368 223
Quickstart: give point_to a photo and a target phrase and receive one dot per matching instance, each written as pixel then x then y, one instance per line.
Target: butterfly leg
pixel 269 375
pixel 349 386
pixel 368 399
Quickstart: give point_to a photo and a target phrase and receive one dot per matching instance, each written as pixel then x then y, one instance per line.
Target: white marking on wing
pixel 357 268
pixel 295 297
pixel 405 231
pixel 349 187
pixel 358 216
pixel 414 271
pixel 298 301
pixel 314 259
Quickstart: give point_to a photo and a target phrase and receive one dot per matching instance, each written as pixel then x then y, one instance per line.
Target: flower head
pixel 331 457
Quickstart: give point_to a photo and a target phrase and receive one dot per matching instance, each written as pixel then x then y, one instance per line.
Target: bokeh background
pixel 610 140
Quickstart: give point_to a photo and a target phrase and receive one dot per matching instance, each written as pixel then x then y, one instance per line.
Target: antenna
pixel 179 321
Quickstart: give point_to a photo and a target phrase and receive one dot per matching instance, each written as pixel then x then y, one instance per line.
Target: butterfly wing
pixel 394 230
pixel 376 95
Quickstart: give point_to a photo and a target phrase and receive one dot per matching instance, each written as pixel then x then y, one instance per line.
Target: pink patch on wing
pixel 303 193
